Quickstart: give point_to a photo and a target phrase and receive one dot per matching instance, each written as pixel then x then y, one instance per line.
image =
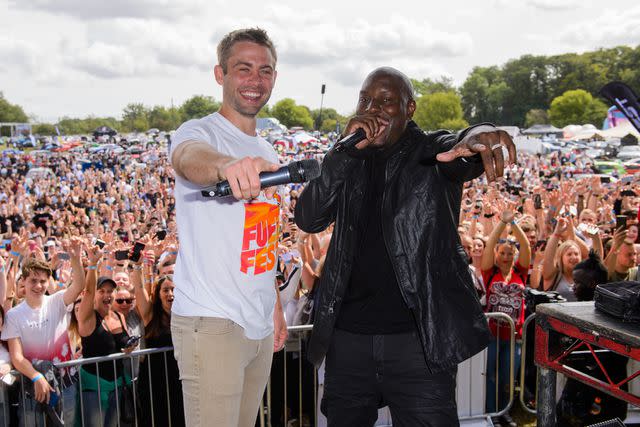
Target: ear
pixel 411 108
pixel 219 74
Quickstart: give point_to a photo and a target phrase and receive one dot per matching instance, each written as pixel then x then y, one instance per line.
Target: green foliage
pixel 75 126
pixel 291 114
pixel 440 110
pixel 427 86
pixel 135 118
pixel 576 107
pixel 504 95
pixel 536 116
pixel 198 106
pixel 265 112
pixel 163 118
pixel 328 125
pixel 11 113
pixel 44 129
pixel 327 114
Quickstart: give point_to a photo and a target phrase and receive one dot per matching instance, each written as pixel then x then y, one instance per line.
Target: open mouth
pixel 251 95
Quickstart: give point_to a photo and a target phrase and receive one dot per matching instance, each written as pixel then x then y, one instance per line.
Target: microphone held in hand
pixel 294 172
pixel 350 141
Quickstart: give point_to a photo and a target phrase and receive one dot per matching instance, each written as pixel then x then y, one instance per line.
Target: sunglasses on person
pixel 125 300
pixel 509 241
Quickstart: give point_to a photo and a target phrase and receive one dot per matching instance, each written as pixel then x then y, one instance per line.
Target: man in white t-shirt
pixel 36 330
pixel 226 317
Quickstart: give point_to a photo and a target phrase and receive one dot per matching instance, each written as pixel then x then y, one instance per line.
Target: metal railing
pixel 292 403
pixel 88 415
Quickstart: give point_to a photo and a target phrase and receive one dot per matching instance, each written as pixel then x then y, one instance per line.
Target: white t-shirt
pixel 227 259
pixel 43 331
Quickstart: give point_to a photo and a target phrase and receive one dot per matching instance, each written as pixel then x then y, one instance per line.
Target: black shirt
pixel 373 303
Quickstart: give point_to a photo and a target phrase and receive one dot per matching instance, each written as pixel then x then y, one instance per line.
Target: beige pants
pixel 223 373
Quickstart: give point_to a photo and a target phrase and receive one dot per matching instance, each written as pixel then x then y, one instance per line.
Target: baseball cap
pixel 104 280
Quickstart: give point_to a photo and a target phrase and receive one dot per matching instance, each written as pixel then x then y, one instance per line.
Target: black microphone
pixel 350 140
pixel 301 171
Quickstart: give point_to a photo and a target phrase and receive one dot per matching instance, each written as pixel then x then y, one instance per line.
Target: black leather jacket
pixel 421 207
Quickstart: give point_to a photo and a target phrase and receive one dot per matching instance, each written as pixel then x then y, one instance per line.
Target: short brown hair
pixel 253 35
pixel 32 265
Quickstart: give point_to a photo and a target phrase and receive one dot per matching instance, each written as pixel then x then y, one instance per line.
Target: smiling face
pixel 386 93
pixel 248 80
pixel 123 301
pixel 35 285
pixel 570 258
pixel 478 248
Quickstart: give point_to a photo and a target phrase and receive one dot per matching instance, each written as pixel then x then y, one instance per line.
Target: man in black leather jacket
pixel 395 307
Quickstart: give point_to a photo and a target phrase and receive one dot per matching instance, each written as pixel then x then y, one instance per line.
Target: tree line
pixel 558 89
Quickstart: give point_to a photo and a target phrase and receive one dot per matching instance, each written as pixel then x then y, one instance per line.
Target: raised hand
pixel 488 142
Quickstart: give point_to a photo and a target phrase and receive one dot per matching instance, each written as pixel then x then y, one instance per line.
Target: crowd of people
pixel 87 258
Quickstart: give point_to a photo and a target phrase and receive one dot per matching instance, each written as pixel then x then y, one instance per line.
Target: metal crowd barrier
pixel 470 393
pixel 129 363
pixel 281 408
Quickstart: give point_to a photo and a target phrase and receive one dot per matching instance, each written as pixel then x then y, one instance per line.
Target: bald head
pixel 403 82
pixel 387 95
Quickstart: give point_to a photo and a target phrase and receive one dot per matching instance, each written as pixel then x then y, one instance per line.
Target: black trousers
pixel 367 372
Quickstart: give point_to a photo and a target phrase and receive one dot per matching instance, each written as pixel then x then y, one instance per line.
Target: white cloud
pixel 554 5
pixel 18 54
pixel 609 29
pixel 102 9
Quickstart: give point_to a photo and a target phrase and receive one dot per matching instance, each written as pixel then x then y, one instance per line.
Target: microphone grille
pixel 304 170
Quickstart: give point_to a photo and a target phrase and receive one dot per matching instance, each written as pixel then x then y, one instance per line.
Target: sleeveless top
pixel 102 342
pixel 565 288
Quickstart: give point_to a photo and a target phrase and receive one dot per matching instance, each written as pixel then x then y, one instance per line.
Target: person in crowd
pixel 621 261
pixel 225 297
pixel 159 372
pixel 505 265
pixel 103 332
pixel 36 329
pixel 560 259
pixel 384 314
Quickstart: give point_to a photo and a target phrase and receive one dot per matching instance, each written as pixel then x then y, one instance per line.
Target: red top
pixel 506 298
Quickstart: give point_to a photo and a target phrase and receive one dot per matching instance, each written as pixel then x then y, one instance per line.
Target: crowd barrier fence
pixel 282 405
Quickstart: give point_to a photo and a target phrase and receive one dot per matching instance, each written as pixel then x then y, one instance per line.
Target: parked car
pixel 629 152
pixel 609 167
pixel 632 166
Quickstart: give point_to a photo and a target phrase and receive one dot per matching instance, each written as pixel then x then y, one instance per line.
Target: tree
pixel 198 106
pixel 264 112
pixel 427 86
pixel 44 129
pixel 327 114
pixel 439 110
pixel 11 113
pixel 291 114
pixel 165 119
pixel 483 94
pixel 576 107
pixel 75 126
pixel 134 118
pixel 536 116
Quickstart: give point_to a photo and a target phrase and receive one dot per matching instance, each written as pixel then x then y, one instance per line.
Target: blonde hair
pixel 564 247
